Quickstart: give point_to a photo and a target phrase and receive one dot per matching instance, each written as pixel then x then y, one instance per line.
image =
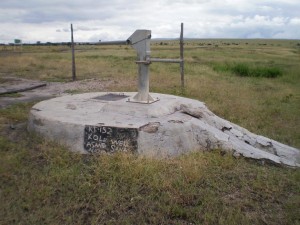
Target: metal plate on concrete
pixel 111 97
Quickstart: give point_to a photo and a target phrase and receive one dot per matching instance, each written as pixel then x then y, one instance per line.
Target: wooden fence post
pixel 181 57
pixel 73 55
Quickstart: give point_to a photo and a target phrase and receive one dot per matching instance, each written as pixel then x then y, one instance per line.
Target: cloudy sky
pixel 93 20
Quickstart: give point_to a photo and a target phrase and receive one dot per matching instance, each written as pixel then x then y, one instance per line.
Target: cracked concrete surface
pixel 169 127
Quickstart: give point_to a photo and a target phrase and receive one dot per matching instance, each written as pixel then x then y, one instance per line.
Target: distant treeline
pixel 214 42
pixel 49 44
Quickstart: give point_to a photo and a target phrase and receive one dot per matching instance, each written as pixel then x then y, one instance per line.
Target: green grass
pixel 72 92
pixel 12 95
pixel 43 183
pixel 17 113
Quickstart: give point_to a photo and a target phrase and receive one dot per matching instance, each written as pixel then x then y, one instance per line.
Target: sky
pixel 108 20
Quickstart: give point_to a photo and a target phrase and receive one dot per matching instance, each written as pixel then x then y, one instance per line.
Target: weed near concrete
pixel 12 95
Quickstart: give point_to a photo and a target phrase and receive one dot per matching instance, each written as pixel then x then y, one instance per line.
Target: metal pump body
pixel 140 41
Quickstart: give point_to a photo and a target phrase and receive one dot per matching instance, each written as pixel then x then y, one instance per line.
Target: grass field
pixel 42 183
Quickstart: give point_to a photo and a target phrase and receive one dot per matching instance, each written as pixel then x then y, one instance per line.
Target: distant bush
pixel 241 70
pixel 245 70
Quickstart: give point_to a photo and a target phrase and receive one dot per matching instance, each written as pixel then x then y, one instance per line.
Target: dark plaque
pixel 110 139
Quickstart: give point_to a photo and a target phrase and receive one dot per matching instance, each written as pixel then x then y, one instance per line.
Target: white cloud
pixel 42 20
pixel 295 21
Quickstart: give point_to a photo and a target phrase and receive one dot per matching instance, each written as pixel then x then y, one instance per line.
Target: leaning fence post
pixel 73 55
pixel 181 57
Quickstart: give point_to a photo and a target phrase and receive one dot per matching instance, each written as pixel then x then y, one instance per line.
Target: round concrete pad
pixel 80 121
pixel 109 122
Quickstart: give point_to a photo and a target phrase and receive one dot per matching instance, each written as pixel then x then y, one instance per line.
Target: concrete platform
pixel 109 122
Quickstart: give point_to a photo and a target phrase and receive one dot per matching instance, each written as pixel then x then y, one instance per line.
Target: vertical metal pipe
pixel 181 57
pixel 143 50
pixel 140 41
pixel 73 55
